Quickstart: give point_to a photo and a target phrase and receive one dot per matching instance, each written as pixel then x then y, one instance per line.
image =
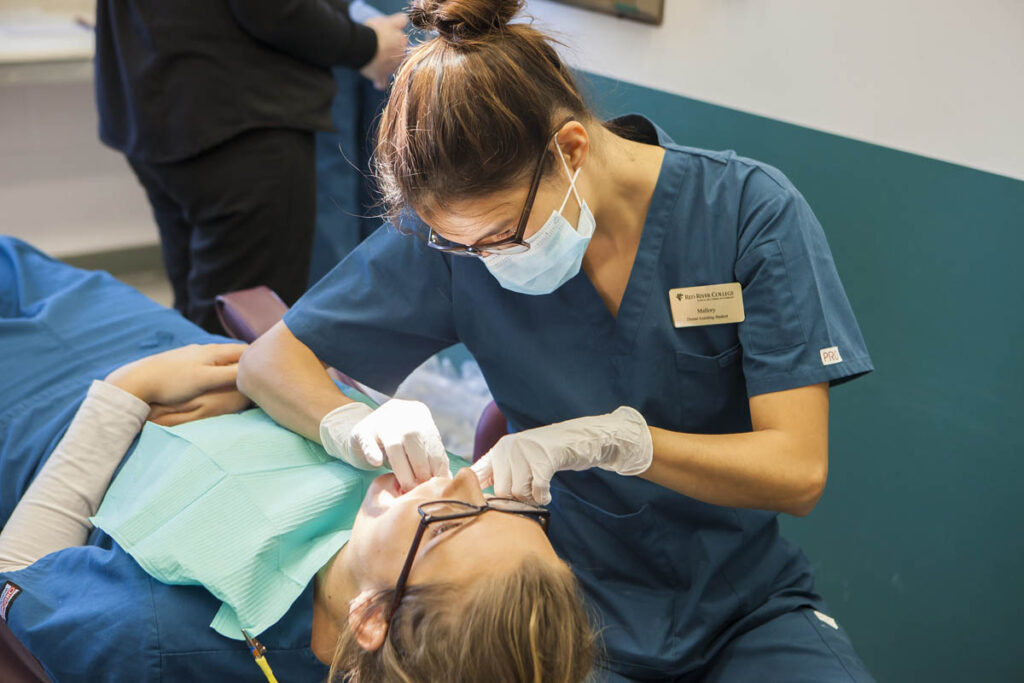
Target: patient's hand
pixel 184 384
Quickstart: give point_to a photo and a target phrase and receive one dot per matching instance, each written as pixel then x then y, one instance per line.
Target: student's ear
pixel 367 621
pixel 574 142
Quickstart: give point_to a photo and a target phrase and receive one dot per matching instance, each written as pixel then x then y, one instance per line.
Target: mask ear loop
pixel 572 180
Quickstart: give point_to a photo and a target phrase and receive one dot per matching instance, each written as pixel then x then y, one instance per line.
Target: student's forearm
pixel 767 469
pixel 285 378
pixel 54 512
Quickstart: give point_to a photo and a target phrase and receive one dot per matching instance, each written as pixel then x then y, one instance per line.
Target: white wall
pixel 941 78
pixel 60 188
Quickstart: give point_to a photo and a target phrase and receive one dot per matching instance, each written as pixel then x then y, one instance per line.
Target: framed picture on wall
pixel 647 11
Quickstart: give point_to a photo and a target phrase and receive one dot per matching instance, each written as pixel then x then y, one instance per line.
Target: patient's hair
pixel 527 625
pixel 470 110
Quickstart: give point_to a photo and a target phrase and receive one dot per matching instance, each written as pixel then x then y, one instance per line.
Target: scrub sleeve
pixel 382 311
pixel 799 327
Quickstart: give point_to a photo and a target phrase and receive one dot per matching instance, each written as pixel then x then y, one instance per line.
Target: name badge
pixel 706 305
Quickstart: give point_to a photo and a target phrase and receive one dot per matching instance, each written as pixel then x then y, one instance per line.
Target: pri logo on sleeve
pixel 830 356
pixel 7 595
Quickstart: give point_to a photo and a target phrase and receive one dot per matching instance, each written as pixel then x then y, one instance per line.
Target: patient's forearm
pixel 285 378
pixel 53 514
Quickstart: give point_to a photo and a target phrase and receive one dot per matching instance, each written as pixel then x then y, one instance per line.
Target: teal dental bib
pixel 237 504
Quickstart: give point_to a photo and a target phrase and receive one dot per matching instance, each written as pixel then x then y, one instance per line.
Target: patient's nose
pixel 465 486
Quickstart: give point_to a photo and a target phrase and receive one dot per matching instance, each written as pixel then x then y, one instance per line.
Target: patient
pixel 486 597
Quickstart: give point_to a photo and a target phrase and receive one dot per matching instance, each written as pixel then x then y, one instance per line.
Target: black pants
pixel 236 216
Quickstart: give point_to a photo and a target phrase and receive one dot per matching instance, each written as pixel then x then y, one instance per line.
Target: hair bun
pixel 458 21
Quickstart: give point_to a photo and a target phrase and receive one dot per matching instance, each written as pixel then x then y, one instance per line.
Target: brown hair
pixel 470 110
pixel 523 626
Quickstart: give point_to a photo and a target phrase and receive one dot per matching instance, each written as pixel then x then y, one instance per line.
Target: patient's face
pixel 489 543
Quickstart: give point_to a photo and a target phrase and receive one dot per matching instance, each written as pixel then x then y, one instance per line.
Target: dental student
pixel 659 324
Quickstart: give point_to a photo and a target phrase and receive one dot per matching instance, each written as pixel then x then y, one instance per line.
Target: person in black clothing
pixel 215 103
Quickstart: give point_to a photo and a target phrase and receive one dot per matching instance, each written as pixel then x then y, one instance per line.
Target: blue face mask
pixel 556 250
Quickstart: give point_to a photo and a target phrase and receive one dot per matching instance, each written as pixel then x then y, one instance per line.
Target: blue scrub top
pixel 672 578
pixel 90 613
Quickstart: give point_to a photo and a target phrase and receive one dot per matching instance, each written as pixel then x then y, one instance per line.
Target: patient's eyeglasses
pixel 440 511
pixel 510 245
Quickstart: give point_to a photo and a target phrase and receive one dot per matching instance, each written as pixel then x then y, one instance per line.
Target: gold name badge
pixel 706 305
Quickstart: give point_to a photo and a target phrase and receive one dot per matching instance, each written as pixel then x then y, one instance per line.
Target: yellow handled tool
pixel 258 650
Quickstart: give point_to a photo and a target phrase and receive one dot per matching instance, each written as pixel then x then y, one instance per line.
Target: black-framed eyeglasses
pixel 440 511
pixel 510 245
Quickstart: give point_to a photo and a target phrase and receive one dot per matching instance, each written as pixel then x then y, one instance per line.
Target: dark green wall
pixel 919 540
pixel 389 5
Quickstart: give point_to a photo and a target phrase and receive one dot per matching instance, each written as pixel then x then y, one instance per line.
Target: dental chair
pixel 248 313
pixel 17 664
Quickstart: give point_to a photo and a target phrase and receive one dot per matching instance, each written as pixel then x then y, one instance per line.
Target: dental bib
pixel 237 504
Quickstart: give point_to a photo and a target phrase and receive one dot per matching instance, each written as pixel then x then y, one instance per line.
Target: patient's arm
pixel 53 514
pixel 170 387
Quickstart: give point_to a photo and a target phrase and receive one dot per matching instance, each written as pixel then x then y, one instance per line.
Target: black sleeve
pixel 315 31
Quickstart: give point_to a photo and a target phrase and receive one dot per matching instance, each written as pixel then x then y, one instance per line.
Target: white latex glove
pixel 522 464
pixel 399 433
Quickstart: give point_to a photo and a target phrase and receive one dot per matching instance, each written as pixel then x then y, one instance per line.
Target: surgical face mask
pixel 556 250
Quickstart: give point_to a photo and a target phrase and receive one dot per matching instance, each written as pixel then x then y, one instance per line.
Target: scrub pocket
pixel 610 546
pixel 623 561
pixel 712 390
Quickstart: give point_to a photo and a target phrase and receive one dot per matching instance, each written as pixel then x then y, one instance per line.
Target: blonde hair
pixel 523 626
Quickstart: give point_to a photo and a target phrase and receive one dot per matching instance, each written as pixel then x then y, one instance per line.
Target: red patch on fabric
pixel 7 595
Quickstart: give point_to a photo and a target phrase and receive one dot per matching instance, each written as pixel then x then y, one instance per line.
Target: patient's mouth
pixel 390 488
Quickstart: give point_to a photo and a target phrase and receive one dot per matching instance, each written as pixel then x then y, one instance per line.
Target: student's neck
pixel 630 174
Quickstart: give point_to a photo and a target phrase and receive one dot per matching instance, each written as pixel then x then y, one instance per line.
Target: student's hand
pixel 399 433
pixel 186 383
pixel 391 46
pixel 521 465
